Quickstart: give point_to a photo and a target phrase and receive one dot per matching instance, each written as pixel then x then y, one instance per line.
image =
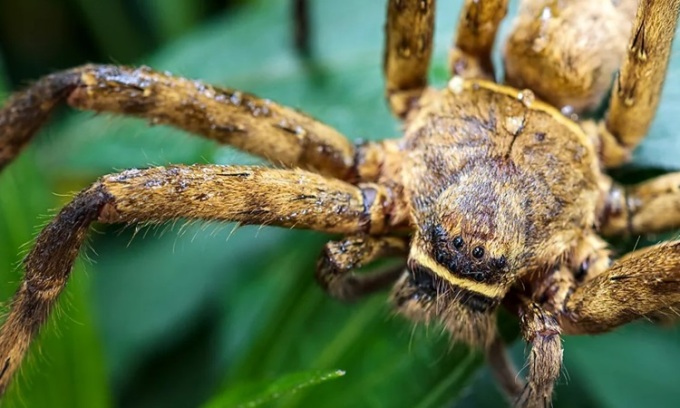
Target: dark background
pixel 202 314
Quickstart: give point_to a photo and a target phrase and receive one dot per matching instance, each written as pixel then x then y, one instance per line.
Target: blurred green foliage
pixel 203 314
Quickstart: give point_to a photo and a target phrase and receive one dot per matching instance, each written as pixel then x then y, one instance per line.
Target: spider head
pixel 469 251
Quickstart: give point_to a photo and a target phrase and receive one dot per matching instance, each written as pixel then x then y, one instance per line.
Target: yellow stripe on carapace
pixel 491 291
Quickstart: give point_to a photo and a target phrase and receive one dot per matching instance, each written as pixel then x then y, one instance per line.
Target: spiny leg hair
pixel 640 284
pixel 248 195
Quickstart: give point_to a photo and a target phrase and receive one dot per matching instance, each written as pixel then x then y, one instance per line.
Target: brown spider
pixel 494 197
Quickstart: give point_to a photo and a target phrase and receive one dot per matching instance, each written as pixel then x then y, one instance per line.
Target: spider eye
pixel 458 242
pixel 479 276
pixel 478 252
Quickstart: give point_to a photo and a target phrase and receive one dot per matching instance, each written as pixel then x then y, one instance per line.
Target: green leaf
pixel 112 29
pixel 259 393
pixel 638 361
pixel 171 18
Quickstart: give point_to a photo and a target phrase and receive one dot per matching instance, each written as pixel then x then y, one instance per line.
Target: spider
pixel 495 197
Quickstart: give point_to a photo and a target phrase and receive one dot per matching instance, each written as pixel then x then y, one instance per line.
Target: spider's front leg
pixel 339 258
pixel 538 307
pixel 542 332
pixel 248 195
pixel 643 283
pixel 259 126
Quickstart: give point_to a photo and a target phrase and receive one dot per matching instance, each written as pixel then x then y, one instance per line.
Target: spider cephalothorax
pixel 492 198
pixel 487 213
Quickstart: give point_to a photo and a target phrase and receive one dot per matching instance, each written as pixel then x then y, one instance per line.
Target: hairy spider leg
pixel 408 48
pixel 248 195
pixel 470 54
pixel 259 126
pixel 637 89
pixel 640 284
pixel 334 270
pixel 541 331
pixel 538 311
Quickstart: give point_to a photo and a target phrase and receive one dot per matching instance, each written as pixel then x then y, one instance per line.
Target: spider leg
pixel 542 332
pixel 470 55
pixel 637 88
pixel 503 369
pixel 258 126
pixel 340 258
pixel 643 283
pixel 248 195
pixel 648 207
pixel 408 48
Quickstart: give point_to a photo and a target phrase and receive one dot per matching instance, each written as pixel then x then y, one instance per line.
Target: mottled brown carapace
pixel 495 196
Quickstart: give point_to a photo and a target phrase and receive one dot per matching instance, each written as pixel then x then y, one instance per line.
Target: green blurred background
pixel 208 316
